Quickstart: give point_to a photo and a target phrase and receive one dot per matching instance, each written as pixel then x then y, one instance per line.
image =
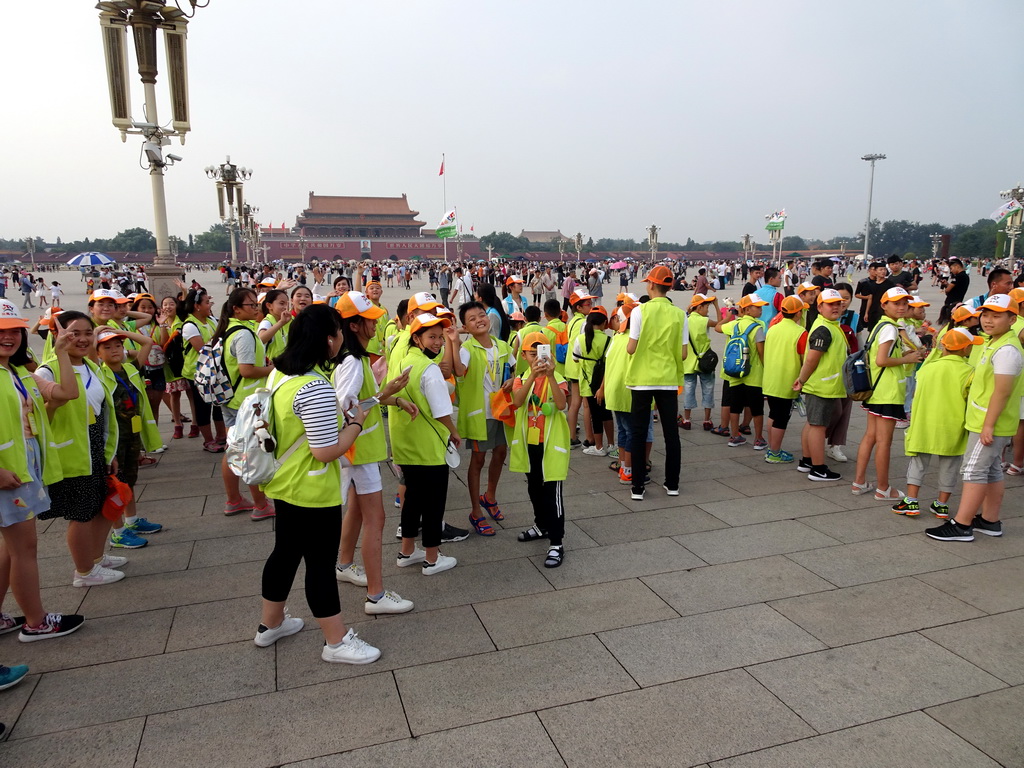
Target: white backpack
pixel 211 376
pixel 251 445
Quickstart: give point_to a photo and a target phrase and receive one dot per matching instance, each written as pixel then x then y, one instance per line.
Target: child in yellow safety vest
pixel 589 349
pixel 993 413
pixel 782 362
pixel 482 368
pixel 699 323
pixel 938 432
pixel 745 392
pixel 540 446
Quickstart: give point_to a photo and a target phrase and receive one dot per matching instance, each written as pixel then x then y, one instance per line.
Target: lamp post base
pixel 161 280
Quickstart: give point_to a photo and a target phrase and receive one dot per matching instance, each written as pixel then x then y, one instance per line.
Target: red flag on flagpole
pixel 441 172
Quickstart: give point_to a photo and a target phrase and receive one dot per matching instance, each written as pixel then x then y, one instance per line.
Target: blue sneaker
pixel 11 676
pixel 127 540
pixel 780 457
pixel 143 526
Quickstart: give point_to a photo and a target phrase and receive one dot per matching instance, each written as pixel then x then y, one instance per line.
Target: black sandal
pixel 532 534
pixel 554 558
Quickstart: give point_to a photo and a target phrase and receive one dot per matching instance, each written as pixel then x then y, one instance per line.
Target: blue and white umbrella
pixel 90 258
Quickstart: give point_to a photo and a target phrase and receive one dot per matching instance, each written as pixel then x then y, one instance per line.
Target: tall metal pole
pixel 871 187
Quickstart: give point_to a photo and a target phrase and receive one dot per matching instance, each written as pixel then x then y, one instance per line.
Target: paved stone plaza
pixel 758 620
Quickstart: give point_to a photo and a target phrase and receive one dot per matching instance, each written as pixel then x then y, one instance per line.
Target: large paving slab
pixel 711 642
pixel 856 684
pixel 692 490
pixel 109 745
pixel 420 637
pixel 318 720
pixel 570 612
pixel 747 542
pixel 500 743
pixel 991 722
pixel 678 724
pixel 649 524
pixel 993 587
pixel 734 584
pixel 909 741
pixel 992 643
pixel 868 611
pixel 72 699
pixel 478 688
pixel 876 521
pixel 619 561
pixel 466 584
pixel 875 560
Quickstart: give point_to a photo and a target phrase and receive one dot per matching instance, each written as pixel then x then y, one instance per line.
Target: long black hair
pixel 188 306
pixel 227 313
pixel 270 297
pixel 21 355
pixel 352 346
pixel 594 319
pixel 489 297
pixel 307 341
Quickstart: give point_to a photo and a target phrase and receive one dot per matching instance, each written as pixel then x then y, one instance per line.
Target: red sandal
pixel 491 508
pixel 481 525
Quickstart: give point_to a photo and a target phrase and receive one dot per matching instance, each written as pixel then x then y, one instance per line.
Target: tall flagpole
pixel 444 204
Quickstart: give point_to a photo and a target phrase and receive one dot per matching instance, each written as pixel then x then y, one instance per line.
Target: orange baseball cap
pixel 660 275
pixel 964 311
pixel 829 296
pixel 792 304
pixel 1001 302
pixel 514 279
pixel 752 300
pixel 804 287
pixel 1017 294
pixel 519 317
pixel 426 321
pixel 355 303
pixel 10 317
pixel 106 333
pixel 580 294
pixel 895 294
pixel 700 298
pixel 535 338
pixel 960 338
pixel 917 301
pixel 423 300
pixel 598 309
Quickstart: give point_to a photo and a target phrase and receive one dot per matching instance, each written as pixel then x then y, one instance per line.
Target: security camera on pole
pixel 145 17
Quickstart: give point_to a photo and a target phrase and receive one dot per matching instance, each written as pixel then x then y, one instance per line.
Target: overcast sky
pixel 595 116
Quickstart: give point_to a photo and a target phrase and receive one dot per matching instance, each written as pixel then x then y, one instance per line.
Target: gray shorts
pixel 230 416
pixel 820 409
pixel 495 438
pixel 983 463
pixel 948 468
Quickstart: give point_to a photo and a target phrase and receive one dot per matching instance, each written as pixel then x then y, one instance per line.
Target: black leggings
pixel 598 415
pixel 546 497
pixel 311 534
pixel 426 490
pixel 203 409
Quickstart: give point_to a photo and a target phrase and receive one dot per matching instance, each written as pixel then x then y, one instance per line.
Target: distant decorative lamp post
pixel 250 230
pixel 30 248
pixel 302 248
pixel 936 244
pixel 1013 221
pixel 229 178
pixel 652 242
pixel 145 17
pixel 560 245
pixel 871 187
pixel 579 245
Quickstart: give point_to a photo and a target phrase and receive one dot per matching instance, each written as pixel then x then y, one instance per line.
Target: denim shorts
pixel 624 432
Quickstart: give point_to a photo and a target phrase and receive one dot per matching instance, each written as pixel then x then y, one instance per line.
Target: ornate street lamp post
pixel 145 17
pixel 652 242
pixel 229 178
pixel 30 248
pixel 578 240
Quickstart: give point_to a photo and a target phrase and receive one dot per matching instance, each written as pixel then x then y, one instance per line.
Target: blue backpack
pixel 736 358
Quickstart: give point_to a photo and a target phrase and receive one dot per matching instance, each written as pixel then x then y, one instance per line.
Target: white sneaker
pixel 444 563
pixel 902 423
pixel 97 577
pixel 835 452
pixel 113 561
pixel 392 602
pixel 592 450
pixel 289 626
pixel 417 556
pixel 354 574
pixel 398 533
pixel 351 650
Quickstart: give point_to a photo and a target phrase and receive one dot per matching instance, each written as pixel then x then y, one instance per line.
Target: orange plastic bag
pixel 118 496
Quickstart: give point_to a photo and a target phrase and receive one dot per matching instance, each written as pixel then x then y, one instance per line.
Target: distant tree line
pixel 967 241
